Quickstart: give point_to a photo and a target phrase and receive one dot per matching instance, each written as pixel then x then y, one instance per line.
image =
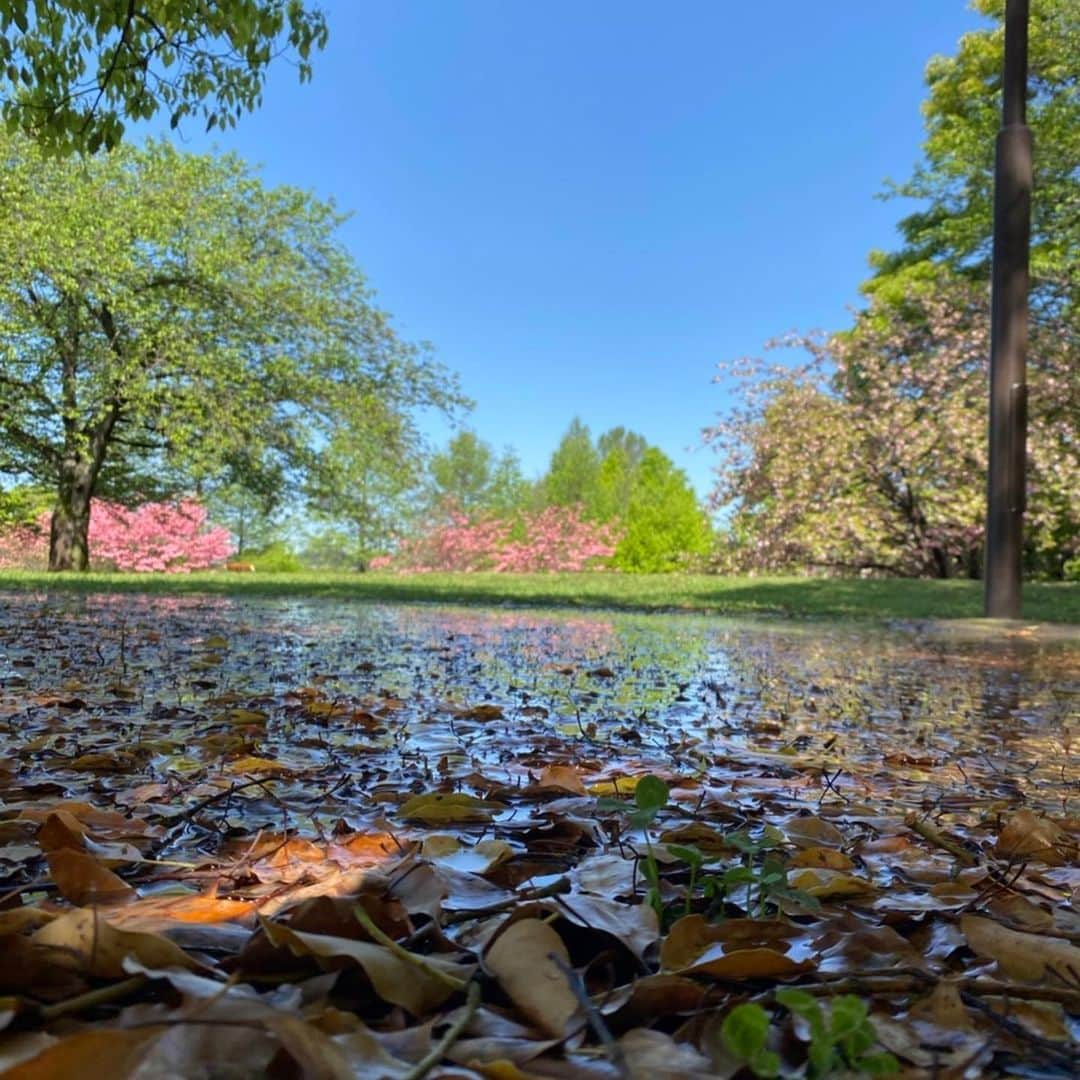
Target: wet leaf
pixel 437 807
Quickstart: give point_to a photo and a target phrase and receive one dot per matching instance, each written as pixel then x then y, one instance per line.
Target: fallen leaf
pixel 1029 957
pixel 1028 835
pixel 84 941
pixel 416 986
pixel 523 958
pixel 83 880
pixel 436 806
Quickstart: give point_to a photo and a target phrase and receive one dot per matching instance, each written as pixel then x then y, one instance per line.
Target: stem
pixel 101 996
pixel 440 1049
pixel 388 942
pixel 939 839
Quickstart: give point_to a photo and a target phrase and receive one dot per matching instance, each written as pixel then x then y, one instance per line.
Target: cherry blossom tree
pixel 554 539
pixel 871 455
pixel 156 536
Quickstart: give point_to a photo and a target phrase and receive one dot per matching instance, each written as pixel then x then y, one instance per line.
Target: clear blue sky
pixel 585 206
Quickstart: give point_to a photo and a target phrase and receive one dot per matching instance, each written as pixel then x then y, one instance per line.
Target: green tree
pixel 166 321
pixel 510 491
pixel 461 475
pixel 76 69
pixel 954 181
pixel 664 526
pixel 573 470
pixel 368 480
pixel 252 518
pixel 23 504
pixel 621 452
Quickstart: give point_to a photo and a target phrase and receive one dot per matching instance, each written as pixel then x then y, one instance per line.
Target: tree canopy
pixel 167 322
pixel 873 455
pixel 75 70
pixel 954 181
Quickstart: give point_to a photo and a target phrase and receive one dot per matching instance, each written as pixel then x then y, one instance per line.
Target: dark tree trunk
pixel 69 545
pixel 69 533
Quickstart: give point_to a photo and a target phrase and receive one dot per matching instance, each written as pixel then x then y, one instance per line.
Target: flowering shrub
pixel 555 539
pixel 170 537
pixel 24 547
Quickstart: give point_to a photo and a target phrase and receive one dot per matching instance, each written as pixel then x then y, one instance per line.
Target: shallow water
pixel 389 693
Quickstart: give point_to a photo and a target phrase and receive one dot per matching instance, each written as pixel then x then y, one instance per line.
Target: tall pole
pixel 1008 328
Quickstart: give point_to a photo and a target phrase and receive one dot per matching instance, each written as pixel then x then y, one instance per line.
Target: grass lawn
pixel 884 599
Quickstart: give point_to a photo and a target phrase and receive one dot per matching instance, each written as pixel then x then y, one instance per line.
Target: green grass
pixel 844 597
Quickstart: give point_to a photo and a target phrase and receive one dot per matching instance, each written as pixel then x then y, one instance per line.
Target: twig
pixel 612 1049
pixel 225 793
pixel 911 980
pixel 92 998
pixel 1048 1047
pixel 453 1033
pixel 939 839
pixel 554 888
pixel 416 960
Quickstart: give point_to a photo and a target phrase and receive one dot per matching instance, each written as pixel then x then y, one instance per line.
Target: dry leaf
pixel 84 941
pixel 1029 957
pixel 523 960
pixel 414 986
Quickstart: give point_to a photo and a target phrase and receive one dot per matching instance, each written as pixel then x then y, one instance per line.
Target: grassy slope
pixel 640 592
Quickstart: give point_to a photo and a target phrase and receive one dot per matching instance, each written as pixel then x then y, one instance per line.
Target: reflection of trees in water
pixel 1000 707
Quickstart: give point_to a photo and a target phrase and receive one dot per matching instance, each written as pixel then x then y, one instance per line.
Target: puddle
pixel 395 696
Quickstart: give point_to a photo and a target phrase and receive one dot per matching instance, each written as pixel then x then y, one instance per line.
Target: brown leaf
pixel 1029 957
pixel 523 960
pixel 565 777
pixel 1028 835
pixel 821 858
pixel 112 1052
pixel 738 949
pixel 83 880
pixel 84 941
pixel 413 986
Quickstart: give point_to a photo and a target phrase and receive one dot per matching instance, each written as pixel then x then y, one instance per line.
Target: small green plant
pixel 650 797
pixel 840 1040
pixel 766 884
pixel 745 1032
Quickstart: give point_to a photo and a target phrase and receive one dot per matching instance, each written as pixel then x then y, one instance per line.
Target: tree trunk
pixel 69 544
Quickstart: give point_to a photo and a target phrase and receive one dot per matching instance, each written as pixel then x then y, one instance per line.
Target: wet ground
pixel 140 699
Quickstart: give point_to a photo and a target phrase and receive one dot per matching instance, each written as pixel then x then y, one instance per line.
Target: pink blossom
pixel 156 536
pixel 555 539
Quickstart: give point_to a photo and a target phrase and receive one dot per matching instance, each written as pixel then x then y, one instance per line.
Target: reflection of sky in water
pixel 646 684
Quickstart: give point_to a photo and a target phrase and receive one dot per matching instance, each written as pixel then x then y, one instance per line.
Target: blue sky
pixel 585 206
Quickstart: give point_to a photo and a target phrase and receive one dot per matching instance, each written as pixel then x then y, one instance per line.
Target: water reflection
pixel 937 711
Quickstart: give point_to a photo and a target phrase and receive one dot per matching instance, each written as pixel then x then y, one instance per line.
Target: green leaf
pixel 883 1064
pixel 745 1030
pixel 651 793
pixel 765 1063
pixel 690 855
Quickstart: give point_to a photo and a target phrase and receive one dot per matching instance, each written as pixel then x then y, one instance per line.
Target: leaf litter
pixel 319 840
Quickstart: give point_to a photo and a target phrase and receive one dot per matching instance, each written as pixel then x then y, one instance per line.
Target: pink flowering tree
pixel 156 536
pixel 24 547
pixel 872 454
pixel 554 539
